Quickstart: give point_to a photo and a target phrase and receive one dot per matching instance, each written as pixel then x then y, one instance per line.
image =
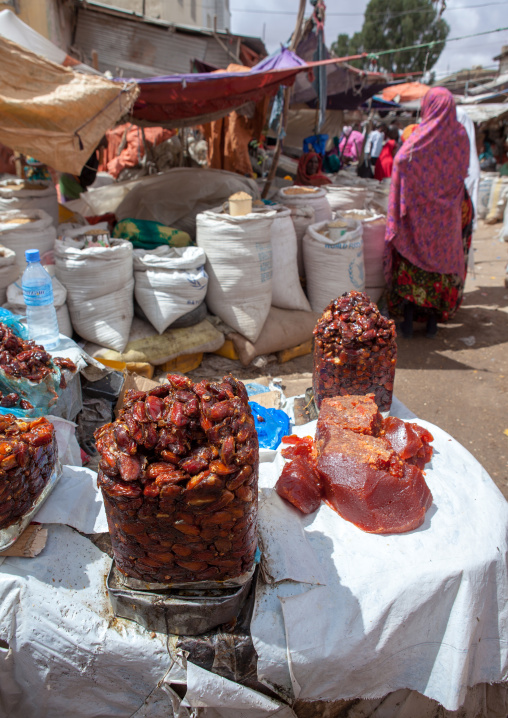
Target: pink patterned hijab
pixel 427 189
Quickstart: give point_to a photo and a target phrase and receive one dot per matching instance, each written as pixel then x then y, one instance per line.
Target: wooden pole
pixel 295 39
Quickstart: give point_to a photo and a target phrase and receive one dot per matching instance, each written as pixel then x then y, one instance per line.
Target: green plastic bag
pixel 145 234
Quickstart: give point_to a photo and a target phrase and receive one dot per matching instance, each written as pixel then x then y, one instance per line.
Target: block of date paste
pixel 179 475
pixel 374 483
pixel 28 454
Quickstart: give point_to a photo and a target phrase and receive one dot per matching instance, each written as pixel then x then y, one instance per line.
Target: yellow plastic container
pixel 142 368
pixel 299 351
pixel 183 363
pixel 227 350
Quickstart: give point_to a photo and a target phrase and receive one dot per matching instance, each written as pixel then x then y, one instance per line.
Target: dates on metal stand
pixel 28 454
pixel 179 474
pixel 354 351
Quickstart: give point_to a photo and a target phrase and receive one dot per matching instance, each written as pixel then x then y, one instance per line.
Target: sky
pixel 465 17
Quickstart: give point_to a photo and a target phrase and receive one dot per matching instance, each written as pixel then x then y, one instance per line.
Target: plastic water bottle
pixel 38 296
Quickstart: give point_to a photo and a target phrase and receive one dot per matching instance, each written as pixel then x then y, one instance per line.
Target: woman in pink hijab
pixel 351 144
pixel 429 222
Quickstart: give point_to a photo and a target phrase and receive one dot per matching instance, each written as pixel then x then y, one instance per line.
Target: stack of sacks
pixel 350 196
pixel 333 257
pixel 18 194
pixel 315 197
pixel 486 182
pixel 302 218
pixel 287 292
pixel 374 229
pixel 254 286
pixel 27 229
pixel 9 271
pixel 176 197
pixel 98 275
pixel 497 200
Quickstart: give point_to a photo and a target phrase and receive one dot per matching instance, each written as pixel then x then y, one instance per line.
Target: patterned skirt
pixel 430 292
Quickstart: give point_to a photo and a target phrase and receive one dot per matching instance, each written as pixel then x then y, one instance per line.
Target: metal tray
pixel 187 611
pixel 137 585
pixel 12 533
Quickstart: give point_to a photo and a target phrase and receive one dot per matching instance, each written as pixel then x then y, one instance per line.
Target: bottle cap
pixel 32 255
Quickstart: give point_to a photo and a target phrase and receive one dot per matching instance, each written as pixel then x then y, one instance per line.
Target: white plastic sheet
pixel 424 610
pixel 340 613
pixel 68 654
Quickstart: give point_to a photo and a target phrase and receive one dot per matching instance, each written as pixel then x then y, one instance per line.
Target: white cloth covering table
pixel 339 614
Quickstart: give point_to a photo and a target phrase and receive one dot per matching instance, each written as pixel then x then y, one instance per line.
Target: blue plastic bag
pixel 271 425
pixel 42 395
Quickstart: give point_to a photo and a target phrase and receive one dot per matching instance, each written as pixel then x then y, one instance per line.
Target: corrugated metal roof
pixel 130 48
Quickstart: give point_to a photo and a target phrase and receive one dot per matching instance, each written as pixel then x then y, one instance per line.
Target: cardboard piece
pixel 268 399
pixel 135 382
pixel 30 543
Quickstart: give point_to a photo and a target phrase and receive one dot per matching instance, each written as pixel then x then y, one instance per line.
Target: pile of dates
pixel 28 454
pixel 354 351
pixel 179 473
pixel 12 400
pixel 24 358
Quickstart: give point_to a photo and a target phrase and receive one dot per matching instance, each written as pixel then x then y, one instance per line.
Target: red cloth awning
pixel 184 100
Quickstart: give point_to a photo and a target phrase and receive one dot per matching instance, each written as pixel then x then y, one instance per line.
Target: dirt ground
pixel 459 380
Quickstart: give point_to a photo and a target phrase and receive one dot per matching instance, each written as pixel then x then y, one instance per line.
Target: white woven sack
pixel 317 199
pixel 343 198
pixel 302 218
pixel 504 228
pixel 333 267
pixel 38 233
pixel 169 282
pixel 99 285
pixel 487 178
pixel 90 273
pixel 374 229
pixel 16 194
pixel 287 292
pixel 9 271
pixel 239 267
pixel 378 202
pixel 497 200
pixel 105 320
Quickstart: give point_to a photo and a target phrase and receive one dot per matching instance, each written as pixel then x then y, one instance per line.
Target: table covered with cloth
pixel 338 614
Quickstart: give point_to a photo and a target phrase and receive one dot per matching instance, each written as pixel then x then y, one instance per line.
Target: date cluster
pixel 23 358
pixel 28 454
pixel 178 473
pixel 355 351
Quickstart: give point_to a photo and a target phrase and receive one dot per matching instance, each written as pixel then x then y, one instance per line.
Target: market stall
pixel 338 613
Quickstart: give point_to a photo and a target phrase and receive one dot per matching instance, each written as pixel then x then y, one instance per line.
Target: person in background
pixel 351 144
pixel 71 186
pixel 384 164
pixel 374 143
pixel 309 171
pixel 429 221
pixel 396 124
pixel 503 170
pixel 473 172
pixel 7 164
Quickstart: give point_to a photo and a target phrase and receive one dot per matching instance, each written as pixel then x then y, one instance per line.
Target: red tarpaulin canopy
pixel 185 100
